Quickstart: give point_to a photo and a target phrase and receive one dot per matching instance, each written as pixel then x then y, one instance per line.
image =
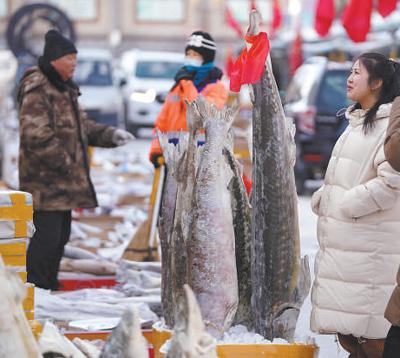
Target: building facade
pixel 148 24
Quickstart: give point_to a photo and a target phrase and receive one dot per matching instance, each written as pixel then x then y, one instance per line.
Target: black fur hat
pixel 56 46
pixel 202 43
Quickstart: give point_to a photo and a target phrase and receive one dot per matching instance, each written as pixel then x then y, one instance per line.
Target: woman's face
pixel 358 88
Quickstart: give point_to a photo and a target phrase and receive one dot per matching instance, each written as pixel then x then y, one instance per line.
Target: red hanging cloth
pixel 356 19
pixel 296 54
pixel 253 5
pixel 229 61
pixel 249 67
pixel 386 7
pixel 276 16
pixel 231 21
pixel 324 16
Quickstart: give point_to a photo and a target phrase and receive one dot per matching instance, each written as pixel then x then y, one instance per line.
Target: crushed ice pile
pixel 240 335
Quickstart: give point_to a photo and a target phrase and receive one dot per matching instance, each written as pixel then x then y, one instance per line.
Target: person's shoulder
pixel 32 79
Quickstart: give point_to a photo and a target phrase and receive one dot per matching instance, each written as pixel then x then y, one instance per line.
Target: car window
pixel 332 92
pixel 157 69
pixel 302 83
pixel 93 73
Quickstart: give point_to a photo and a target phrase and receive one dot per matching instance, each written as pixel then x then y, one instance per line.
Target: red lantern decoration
pixel 356 19
pixel 324 16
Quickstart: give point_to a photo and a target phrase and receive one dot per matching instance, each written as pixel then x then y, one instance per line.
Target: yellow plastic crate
pixel 16 214
pixel 13 247
pixel 30 315
pixel 36 328
pixel 23 275
pixel 29 302
pixel 14 260
pixel 246 350
pixel 15 205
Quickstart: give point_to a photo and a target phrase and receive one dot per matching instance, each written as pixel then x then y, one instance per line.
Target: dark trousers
pixel 362 348
pixel 392 343
pixel 46 247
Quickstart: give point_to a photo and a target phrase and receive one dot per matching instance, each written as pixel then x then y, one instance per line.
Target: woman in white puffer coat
pixel 358 210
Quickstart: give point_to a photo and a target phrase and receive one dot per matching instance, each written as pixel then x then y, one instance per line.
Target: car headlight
pixel 144 96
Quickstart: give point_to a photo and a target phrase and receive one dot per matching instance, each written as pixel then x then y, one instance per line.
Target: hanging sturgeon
pixel 173 155
pixel 185 175
pixel 276 244
pixel 211 249
pixel 241 213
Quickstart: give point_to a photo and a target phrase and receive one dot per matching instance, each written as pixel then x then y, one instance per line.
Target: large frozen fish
pixel 94 266
pixel 211 248
pixel 276 247
pixel 141 266
pixel 182 229
pixel 241 212
pixel 16 338
pixel 173 155
pixel 126 341
pixel 77 253
pixel 190 340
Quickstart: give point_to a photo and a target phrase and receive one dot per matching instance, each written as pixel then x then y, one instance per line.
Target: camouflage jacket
pixel 54 138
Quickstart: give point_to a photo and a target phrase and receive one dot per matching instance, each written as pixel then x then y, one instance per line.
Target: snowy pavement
pixel 328 347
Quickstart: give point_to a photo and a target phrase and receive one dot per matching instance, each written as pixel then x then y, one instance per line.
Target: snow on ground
pixel 328 348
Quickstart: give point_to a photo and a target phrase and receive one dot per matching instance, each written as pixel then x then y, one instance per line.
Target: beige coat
pixel 358 233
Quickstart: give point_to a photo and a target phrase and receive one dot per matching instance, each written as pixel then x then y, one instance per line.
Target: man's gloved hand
pixel 121 137
pixel 157 160
pixel 184 74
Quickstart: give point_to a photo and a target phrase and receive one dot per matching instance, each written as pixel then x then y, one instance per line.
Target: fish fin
pixel 291 131
pixel 194 119
pixel 189 337
pixel 129 332
pixel 229 141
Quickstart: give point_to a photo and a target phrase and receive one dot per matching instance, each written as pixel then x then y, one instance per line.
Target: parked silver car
pixel 150 76
pixel 101 93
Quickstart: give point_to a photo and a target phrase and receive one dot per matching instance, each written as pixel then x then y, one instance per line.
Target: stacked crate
pixel 16 227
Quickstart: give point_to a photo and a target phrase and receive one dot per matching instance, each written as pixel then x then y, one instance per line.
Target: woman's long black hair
pixel 379 67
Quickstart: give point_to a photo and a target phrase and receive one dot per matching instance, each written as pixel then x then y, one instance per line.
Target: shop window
pixel 240 9
pixel 79 10
pixel 3 8
pixel 160 10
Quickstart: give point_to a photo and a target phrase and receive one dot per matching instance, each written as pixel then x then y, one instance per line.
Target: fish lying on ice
pixel 97 267
pixel 77 253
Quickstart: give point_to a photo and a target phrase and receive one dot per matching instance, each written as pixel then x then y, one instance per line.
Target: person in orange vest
pixel 199 75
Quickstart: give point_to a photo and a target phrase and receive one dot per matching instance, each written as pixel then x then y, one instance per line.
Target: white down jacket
pixel 358 233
